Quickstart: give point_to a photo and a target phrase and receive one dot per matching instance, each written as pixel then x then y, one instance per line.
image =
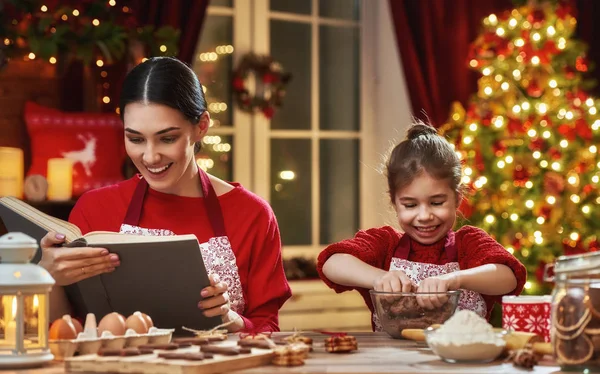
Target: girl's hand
pixel 215 298
pixel 70 265
pixel 442 283
pixel 393 281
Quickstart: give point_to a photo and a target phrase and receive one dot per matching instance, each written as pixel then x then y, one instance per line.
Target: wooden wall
pixel 21 81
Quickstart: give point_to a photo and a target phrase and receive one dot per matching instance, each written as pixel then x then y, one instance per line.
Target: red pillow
pixel 94 141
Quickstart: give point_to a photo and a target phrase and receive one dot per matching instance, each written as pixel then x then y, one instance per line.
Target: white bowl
pixel 454 348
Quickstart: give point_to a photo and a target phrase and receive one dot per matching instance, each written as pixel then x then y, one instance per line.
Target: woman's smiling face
pixel 160 142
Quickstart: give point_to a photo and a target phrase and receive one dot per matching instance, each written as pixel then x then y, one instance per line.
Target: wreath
pixel 259 84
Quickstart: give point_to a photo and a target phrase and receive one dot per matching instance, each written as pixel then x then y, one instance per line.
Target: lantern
pixel 24 309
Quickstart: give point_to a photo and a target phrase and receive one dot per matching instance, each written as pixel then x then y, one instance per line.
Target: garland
pixel 268 89
pixel 88 31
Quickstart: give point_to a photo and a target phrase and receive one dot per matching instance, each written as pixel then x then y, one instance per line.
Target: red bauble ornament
pixel 515 126
pixel 583 129
pixel 581 64
pixel 587 189
pixel 520 175
pixel 534 90
pixel 536 16
pixel 537 144
pixel 545 211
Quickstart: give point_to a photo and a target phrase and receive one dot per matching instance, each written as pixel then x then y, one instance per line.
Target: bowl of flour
pixel 466 338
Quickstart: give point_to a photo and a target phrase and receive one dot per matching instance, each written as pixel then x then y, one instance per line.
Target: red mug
pixel 528 314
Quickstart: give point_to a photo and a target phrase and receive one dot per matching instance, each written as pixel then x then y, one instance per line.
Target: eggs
pixel 147 318
pixel 137 323
pixel 62 328
pixel 114 323
pixel 77 325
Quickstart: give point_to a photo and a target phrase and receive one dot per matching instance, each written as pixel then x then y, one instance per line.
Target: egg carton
pixel 86 343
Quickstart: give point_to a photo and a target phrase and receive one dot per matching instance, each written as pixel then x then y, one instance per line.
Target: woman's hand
pixel 215 302
pixel 70 265
pixel 393 281
pixel 215 298
pixel 441 284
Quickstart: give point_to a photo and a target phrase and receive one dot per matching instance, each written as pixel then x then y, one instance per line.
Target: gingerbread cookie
pixel 341 344
pixel 290 355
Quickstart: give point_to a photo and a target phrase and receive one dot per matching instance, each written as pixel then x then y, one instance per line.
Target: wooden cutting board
pixel 153 364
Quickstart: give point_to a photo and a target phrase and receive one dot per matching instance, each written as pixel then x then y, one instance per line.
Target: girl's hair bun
pixel 418 129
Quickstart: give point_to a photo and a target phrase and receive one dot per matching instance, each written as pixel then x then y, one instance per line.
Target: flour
pixel 465 327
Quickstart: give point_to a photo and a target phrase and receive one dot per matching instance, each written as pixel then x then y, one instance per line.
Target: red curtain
pixel 186 15
pixel 433 37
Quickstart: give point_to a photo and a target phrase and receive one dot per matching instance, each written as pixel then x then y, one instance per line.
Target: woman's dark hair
pixel 166 81
pixel 423 150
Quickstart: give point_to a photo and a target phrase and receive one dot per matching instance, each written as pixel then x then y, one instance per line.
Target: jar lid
pixel 577 263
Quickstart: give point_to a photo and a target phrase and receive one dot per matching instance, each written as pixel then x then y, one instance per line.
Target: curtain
pixel 433 37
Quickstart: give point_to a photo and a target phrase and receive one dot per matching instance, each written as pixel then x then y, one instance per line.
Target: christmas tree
pixel 528 138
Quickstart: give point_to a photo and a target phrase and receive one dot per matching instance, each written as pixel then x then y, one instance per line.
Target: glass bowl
pixel 458 347
pixel 397 311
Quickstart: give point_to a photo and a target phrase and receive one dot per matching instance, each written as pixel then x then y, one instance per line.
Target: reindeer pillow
pixel 94 141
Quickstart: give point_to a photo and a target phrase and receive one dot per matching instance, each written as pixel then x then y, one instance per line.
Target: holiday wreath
pixel 259 84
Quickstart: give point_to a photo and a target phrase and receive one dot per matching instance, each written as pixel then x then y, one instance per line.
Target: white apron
pixel 216 252
pixel 417 271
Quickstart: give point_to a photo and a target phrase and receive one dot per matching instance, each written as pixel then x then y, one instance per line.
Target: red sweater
pixel 376 248
pixel 249 222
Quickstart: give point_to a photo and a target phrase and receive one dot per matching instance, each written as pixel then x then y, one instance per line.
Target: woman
pixel 164 113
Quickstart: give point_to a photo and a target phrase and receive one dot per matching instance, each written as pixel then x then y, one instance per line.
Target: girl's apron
pixel 417 271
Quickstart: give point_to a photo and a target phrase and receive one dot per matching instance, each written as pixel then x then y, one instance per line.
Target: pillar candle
pixel 60 179
pixel 11 172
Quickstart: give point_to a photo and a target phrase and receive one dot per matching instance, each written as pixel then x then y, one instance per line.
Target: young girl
pixel 424 175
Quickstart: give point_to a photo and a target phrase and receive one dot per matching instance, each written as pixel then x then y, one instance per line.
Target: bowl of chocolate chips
pixel 396 311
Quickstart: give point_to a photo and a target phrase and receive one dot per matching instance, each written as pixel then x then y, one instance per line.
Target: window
pixel 306 160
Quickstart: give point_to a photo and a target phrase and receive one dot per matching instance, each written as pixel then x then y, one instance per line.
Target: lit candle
pixel 11 172
pixel 34 317
pixel 10 333
pixel 60 179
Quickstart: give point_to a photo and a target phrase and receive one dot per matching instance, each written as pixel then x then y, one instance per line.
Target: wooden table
pixel 377 353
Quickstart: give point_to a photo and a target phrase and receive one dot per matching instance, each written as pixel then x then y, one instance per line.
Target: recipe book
pixel 161 276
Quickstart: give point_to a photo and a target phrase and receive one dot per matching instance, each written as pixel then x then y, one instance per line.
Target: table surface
pixel 377 353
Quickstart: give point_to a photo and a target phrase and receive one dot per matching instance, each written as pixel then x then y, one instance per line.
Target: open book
pixel 161 276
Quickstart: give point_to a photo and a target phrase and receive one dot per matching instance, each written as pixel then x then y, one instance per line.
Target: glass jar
pixel 575 315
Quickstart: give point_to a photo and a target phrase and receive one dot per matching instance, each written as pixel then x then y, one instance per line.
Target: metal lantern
pixel 24 309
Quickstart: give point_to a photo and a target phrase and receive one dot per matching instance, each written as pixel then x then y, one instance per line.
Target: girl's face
pixel 160 142
pixel 426 208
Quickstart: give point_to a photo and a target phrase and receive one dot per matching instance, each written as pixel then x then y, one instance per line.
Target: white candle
pixel 10 333
pixel 60 179
pixel 11 172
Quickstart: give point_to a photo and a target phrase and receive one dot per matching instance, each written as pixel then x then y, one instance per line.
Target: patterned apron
pixel 217 253
pixel 417 271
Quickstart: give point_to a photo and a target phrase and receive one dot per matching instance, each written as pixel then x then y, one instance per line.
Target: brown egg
pixel 148 320
pixel 113 322
pixel 62 328
pixel 137 323
pixel 77 325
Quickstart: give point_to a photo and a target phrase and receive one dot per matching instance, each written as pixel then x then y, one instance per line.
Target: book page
pixel 41 219
pixel 107 237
